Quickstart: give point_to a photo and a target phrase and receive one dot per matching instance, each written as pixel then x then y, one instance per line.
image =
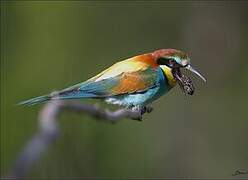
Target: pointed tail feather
pixel 58 95
pixel 36 100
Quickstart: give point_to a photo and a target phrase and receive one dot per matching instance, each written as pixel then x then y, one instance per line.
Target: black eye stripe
pixel 166 61
pixel 170 62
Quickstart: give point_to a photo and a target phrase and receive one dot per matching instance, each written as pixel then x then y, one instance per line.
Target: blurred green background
pixel 48 46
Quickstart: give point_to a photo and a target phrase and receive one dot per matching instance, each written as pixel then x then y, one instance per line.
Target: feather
pixel 136 74
pixel 128 76
pixel 36 100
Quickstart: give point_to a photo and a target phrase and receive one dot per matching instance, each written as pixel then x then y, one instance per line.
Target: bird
pixel 131 83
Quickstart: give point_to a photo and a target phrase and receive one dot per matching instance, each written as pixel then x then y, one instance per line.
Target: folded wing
pixel 129 76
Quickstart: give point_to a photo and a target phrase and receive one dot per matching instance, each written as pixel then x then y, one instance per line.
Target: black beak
pixel 190 68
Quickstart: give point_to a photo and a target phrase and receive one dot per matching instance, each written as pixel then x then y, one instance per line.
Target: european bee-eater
pixel 134 82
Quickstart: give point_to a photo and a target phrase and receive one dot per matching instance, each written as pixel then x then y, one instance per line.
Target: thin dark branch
pixel 48 130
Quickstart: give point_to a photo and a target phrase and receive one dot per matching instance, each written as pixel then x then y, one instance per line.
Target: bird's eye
pixel 172 61
pixel 167 61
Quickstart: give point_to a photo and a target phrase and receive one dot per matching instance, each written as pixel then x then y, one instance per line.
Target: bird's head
pixel 171 61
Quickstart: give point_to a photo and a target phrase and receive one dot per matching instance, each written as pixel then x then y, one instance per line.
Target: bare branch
pixel 48 129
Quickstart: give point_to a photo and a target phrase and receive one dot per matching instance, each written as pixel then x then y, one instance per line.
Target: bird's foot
pixel 149 109
pixel 141 110
pixel 146 109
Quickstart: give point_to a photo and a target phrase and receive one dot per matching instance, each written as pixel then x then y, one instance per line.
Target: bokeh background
pixel 48 46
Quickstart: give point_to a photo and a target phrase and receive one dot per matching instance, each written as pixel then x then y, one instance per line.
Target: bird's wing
pixel 129 76
pixel 126 82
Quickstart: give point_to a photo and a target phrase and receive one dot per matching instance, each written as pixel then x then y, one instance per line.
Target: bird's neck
pixel 169 76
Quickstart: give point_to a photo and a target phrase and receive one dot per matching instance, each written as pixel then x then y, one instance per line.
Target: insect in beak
pixel 185 83
pixel 190 68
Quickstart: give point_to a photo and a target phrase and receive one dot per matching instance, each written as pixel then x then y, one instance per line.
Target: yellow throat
pixel 167 71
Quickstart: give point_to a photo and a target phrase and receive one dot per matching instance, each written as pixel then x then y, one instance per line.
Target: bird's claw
pixel 140 111
pixel 146 109
pixel 149 109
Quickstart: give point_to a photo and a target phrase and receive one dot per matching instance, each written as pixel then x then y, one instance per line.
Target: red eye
pixel 172 62
pixel 167 61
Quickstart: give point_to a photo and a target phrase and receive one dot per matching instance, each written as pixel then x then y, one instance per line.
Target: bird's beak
pixel 194 71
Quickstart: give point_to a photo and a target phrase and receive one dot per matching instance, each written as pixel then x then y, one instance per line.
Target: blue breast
pixel 144 98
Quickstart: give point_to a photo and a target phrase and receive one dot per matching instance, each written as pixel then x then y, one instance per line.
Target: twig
pixel 48 130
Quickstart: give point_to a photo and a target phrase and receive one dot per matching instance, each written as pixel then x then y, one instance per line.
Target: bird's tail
pixel 62 95
pixel 36 100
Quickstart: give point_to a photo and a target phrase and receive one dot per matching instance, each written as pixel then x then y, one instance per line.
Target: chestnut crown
pixel 172 58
